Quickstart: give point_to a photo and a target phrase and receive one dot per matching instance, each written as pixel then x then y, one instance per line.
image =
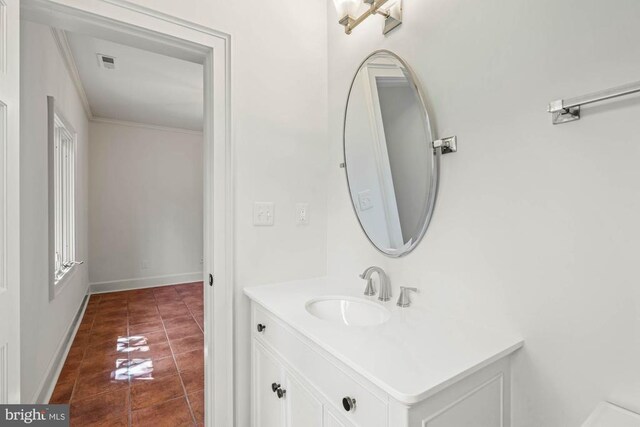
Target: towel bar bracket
pixel 565 115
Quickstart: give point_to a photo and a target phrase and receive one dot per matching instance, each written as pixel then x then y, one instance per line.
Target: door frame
pixel 9 202
pixel 379 142
pixel 120 18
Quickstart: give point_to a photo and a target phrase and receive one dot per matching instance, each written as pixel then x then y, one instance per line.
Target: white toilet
pixel 609 415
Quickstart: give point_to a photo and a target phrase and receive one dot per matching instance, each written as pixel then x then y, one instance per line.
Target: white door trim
pixel 123 20
pixel 379 142
pixel 9 201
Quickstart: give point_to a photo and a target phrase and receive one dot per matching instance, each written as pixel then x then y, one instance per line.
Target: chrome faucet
pixel 385 286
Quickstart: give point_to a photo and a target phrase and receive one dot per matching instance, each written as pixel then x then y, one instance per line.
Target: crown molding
pixel 62 42
pixel 144 125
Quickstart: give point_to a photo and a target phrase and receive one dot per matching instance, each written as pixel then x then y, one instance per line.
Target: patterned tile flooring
pixel 137 360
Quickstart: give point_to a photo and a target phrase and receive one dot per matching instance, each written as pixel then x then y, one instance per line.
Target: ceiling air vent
pixel 107 62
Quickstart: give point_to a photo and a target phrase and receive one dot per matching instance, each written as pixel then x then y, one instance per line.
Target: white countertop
pixel 412 356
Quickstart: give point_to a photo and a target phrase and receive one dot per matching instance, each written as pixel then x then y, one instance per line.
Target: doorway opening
pixel 199 304
pixel 139 349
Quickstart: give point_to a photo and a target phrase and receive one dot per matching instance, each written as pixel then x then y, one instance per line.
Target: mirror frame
pixel 435 172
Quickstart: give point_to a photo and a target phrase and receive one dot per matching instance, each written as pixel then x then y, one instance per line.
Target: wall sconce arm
pixel 392 15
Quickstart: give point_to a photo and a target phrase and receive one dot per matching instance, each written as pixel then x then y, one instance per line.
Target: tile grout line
pixel 88 347
pixel 84 351
pixel 130 411
pixel 194 317
pixel 184 388
pixel 193 415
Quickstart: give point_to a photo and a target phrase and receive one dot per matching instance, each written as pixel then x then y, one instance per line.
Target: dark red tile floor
pixel 137 360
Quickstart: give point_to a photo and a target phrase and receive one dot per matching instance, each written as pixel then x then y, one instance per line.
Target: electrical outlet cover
pixel 302 213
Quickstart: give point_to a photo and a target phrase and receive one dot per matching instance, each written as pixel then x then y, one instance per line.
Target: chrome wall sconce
pixel 347 9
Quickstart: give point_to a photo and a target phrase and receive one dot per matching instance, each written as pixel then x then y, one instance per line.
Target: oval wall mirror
pixel 391 158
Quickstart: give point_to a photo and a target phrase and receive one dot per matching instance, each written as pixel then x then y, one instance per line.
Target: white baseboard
pixel 144 282
pixel 45 390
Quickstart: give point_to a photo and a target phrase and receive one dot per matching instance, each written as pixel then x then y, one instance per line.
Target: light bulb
pixel 347 7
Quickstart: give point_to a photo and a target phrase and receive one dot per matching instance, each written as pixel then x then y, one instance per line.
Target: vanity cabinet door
pixel 268 374
pixel 333 420
pixel 303 409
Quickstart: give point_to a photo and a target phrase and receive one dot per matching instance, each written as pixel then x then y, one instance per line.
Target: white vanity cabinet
pixel 319 389
pixel 293 385
pixel 279 399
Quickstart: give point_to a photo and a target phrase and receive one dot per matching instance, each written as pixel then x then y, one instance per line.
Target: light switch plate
pixel 263 213
pixel 365 201
pixel 302 213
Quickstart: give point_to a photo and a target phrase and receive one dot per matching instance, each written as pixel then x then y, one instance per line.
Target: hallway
pixel 137 359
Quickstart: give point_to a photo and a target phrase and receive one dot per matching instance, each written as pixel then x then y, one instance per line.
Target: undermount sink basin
pixel 348 311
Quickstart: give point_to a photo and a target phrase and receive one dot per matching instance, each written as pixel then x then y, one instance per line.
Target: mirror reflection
pixel 390 163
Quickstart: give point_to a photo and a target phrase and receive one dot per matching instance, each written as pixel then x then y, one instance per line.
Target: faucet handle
pixel 403 299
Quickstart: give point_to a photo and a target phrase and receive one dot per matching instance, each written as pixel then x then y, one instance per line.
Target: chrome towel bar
pixel 568 110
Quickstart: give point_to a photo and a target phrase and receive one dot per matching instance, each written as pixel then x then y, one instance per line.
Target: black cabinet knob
pixel 281 393
pixel 349 404
pixel 275 387
pixel 261 327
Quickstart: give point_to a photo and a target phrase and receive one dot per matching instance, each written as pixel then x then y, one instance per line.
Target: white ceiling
pixel 145 87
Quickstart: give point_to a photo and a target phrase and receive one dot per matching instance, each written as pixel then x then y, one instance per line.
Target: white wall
pixel 43 323
pixel 536 226
pixel 145 205
pixel 279 126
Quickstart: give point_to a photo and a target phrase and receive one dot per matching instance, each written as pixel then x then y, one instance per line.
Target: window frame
pixel 62 166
